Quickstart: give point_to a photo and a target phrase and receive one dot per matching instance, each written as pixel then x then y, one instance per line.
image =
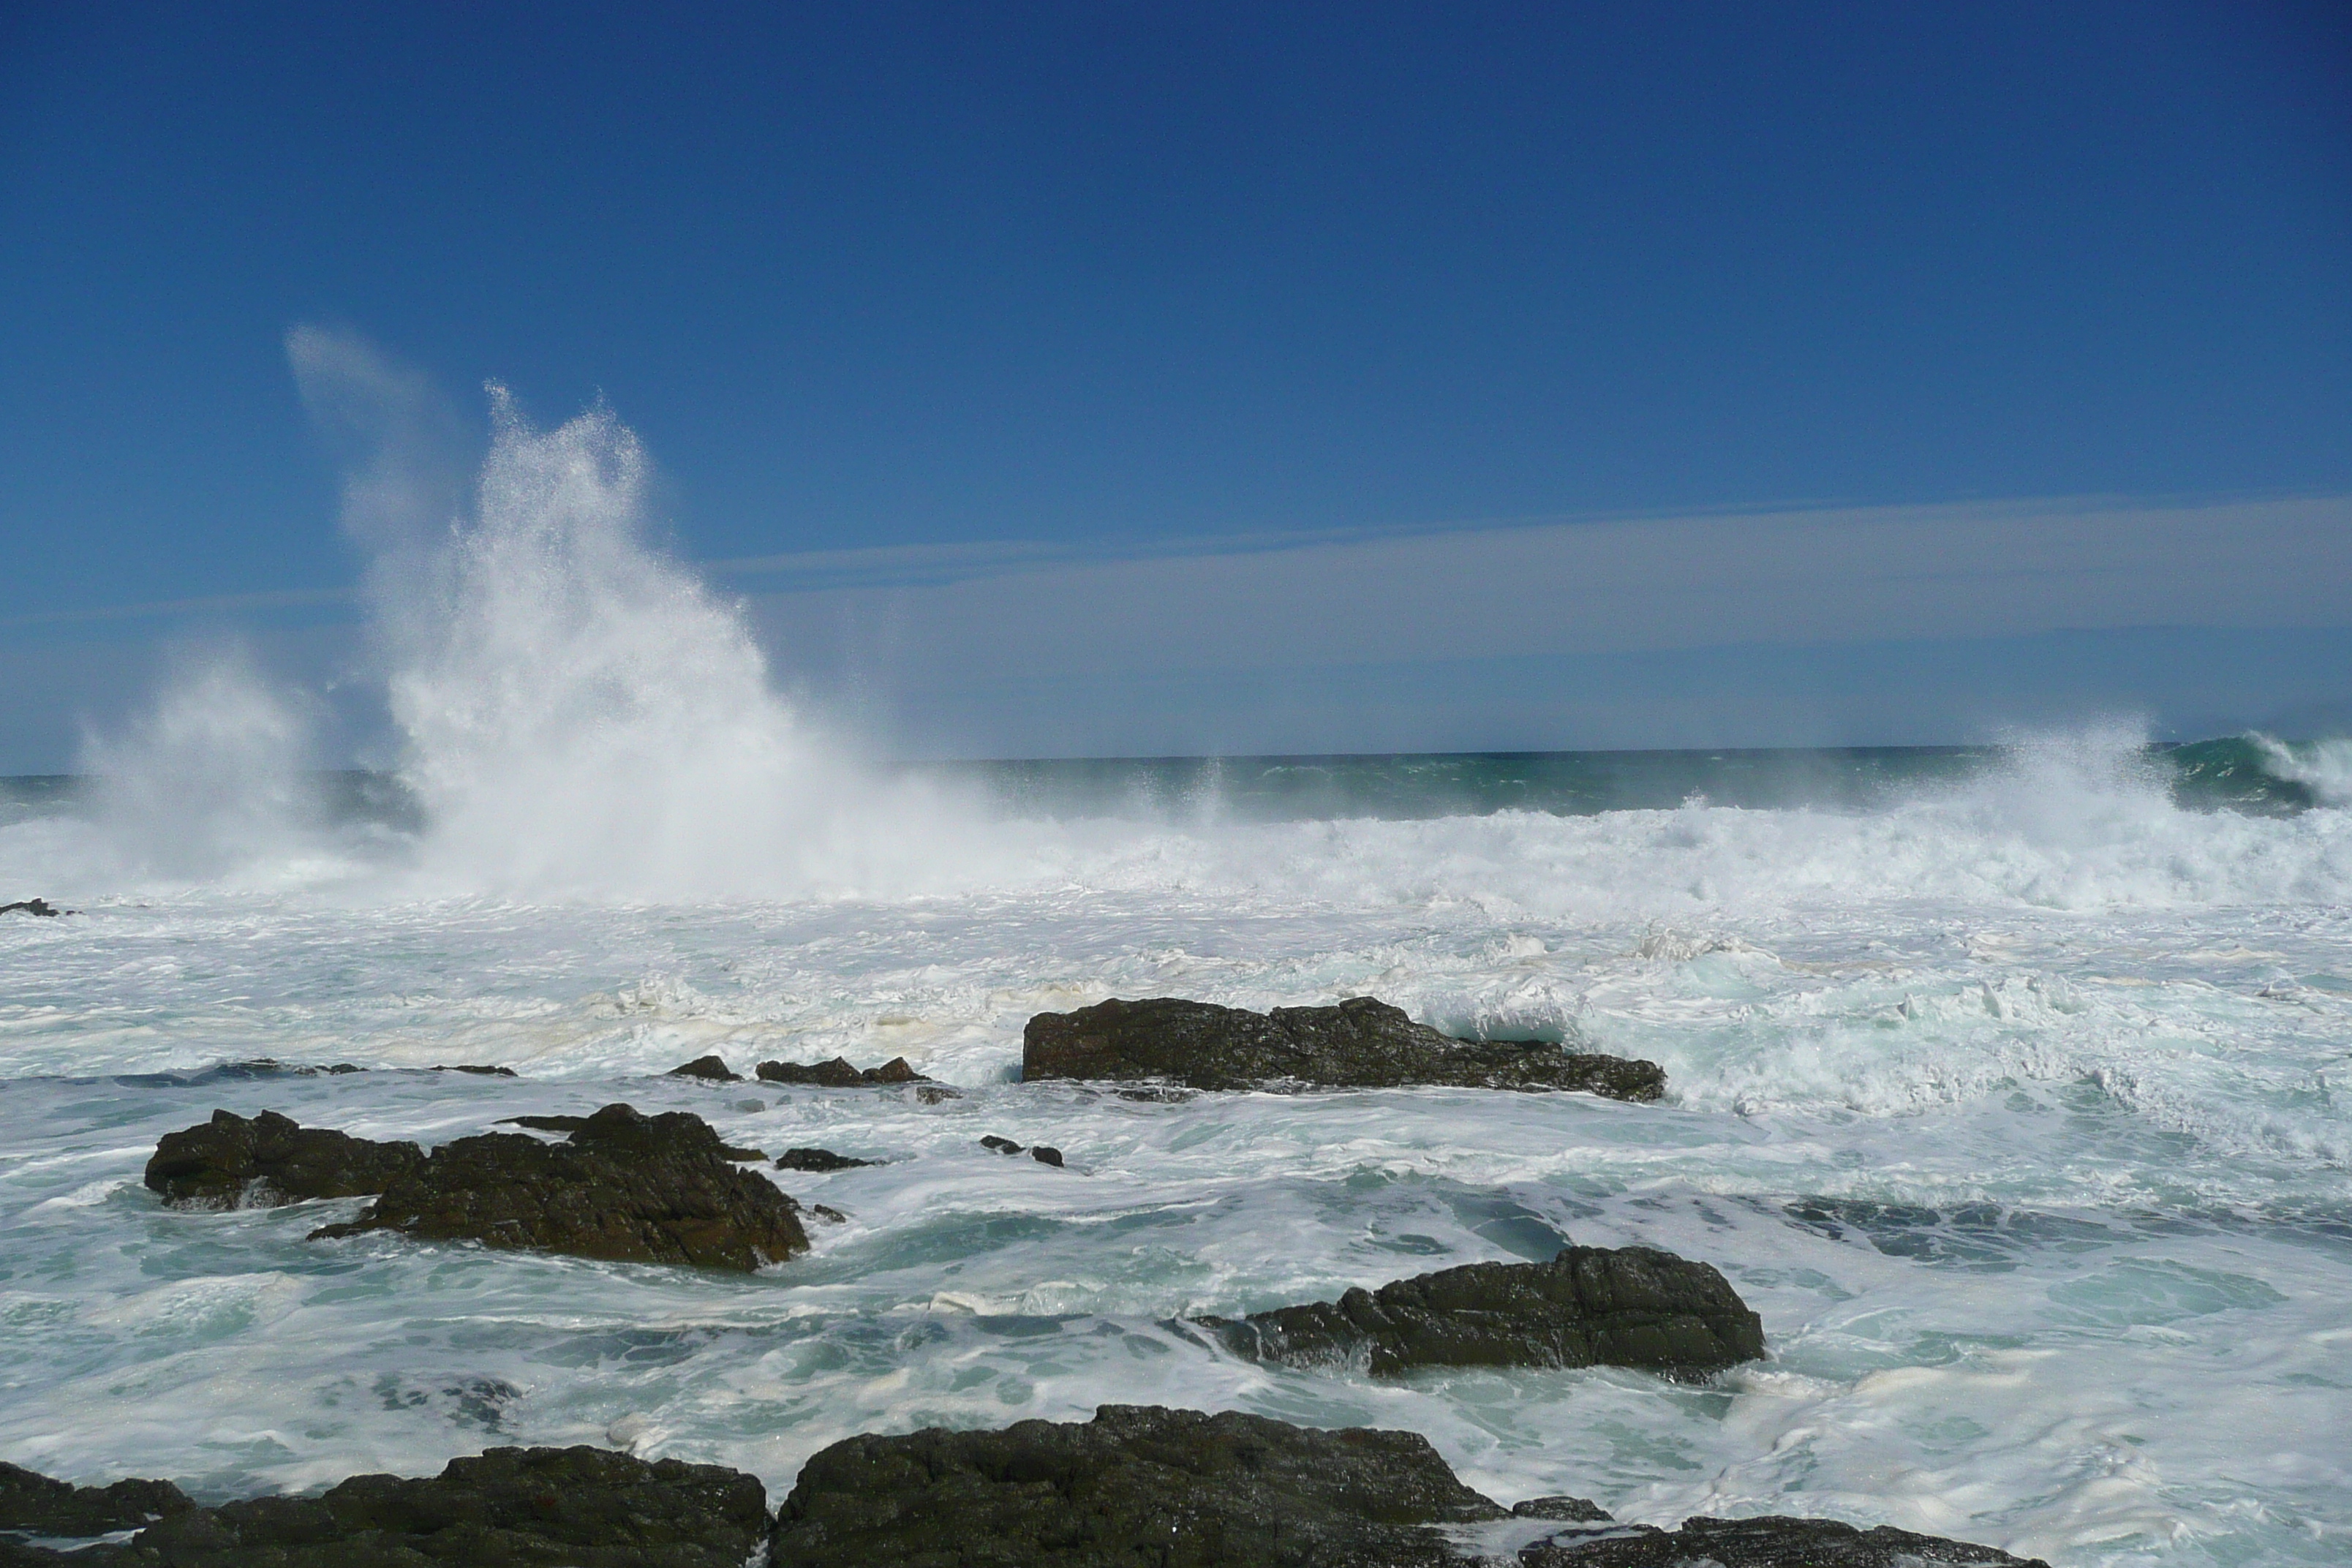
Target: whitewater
pixel 2017 1099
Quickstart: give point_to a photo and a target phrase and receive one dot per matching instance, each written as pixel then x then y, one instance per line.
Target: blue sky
pixel 954 286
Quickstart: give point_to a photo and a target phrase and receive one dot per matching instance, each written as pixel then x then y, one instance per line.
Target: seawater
pixel 2012 1086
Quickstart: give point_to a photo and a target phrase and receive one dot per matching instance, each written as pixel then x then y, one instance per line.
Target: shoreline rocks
pixel 838 1074
pixel 39 907
pixel 1360 1043
pixel 1137 1484
pixel 234 1161
pixel 819 1160
pixel 1773 1541
pixel 710 1070
pixel 624 1188
pixel 1631 1306
pixel 589 1508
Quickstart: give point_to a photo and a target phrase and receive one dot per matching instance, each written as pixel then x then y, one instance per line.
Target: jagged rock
pixel 39 1505
pixel 231 1161
pixel 1000 1145
pixel 1631 1306
pixel 838 1074
pixel 708 1068
pixel 818 1160
pixel 1362 1043
pixel 584 1508
pixel 41 907
pixel 1569 1510
pixel 1769 1542
pixel 625 1187
pixel 1137 1485
pixel 477 1070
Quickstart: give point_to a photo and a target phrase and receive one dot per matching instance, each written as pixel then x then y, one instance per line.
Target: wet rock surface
pixel 1630 1306
pixel 710 1070
pixel 1769 1542
pixel 838 1074
pixel 39 1505
pixel 1360 1043
pixel 40 907
pixel 818 1160
pixel 625 1187
pixel 583 1508
pixel 1572 1509
pixel 234 1161
pixel 1137 1485
pixel 478 1069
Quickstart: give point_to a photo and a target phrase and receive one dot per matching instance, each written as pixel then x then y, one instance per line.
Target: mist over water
pixel 2008 1084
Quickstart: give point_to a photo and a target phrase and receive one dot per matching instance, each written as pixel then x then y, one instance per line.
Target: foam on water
pixel 2016 1104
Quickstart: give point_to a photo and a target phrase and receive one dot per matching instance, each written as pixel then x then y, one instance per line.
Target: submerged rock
pixel 41 1506
pixel 625 1187
pixel 996 1145
pixel 838 1074
pixel 1362 1043
pixel 818 1160
pixel 232 1162
pixel 1629 1306
pixel 1769 1542
pixel 478 1069
pixel 1137 1485
pixel 586 1508
pixel 708 1068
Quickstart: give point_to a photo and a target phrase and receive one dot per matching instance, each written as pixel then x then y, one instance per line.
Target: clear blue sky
pixel 904 275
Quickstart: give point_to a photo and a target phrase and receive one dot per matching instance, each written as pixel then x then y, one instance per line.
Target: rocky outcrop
pixel 1769 1542
pixel 818 1160
pixel 1135 1485
pixel 232 1162
pixel 838 1074
pixel 1044 1153
pixel 710 1070
pixel 625 1187
pixel 1359 1044
pixel 41 907
pixel 587 1508
pixel 39 1505
pixel 1590 1306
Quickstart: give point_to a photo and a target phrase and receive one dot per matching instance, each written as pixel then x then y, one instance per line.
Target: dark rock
pixel 1046 1154
pixel 477 1070
pixel 41 907
pixel 230 1162
pixel 817 1160
pixel 1631 1306
pixel 1359 1044
pixel 1569 1510
pixel 708 1068
pixel 936 1093
pixel 1137 1485
pixel 625 1187
pixel 838 1074
pixel 41 1506
pixel 586 1508
pixel 1002 1145
pixel 624 1127
pixel 828 1214
pixel 1771 1542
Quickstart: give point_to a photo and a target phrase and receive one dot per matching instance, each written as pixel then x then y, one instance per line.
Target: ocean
pixel 2011 1085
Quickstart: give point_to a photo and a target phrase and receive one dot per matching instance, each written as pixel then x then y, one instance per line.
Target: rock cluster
pixel 1044 1153
pixel 625 1187
pixel 41 907
pixel 1135 1486
pixel 1362 1043
pixel 232 1162
pixel 588 1508
pixel 838 1074
pixel 1630 1306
